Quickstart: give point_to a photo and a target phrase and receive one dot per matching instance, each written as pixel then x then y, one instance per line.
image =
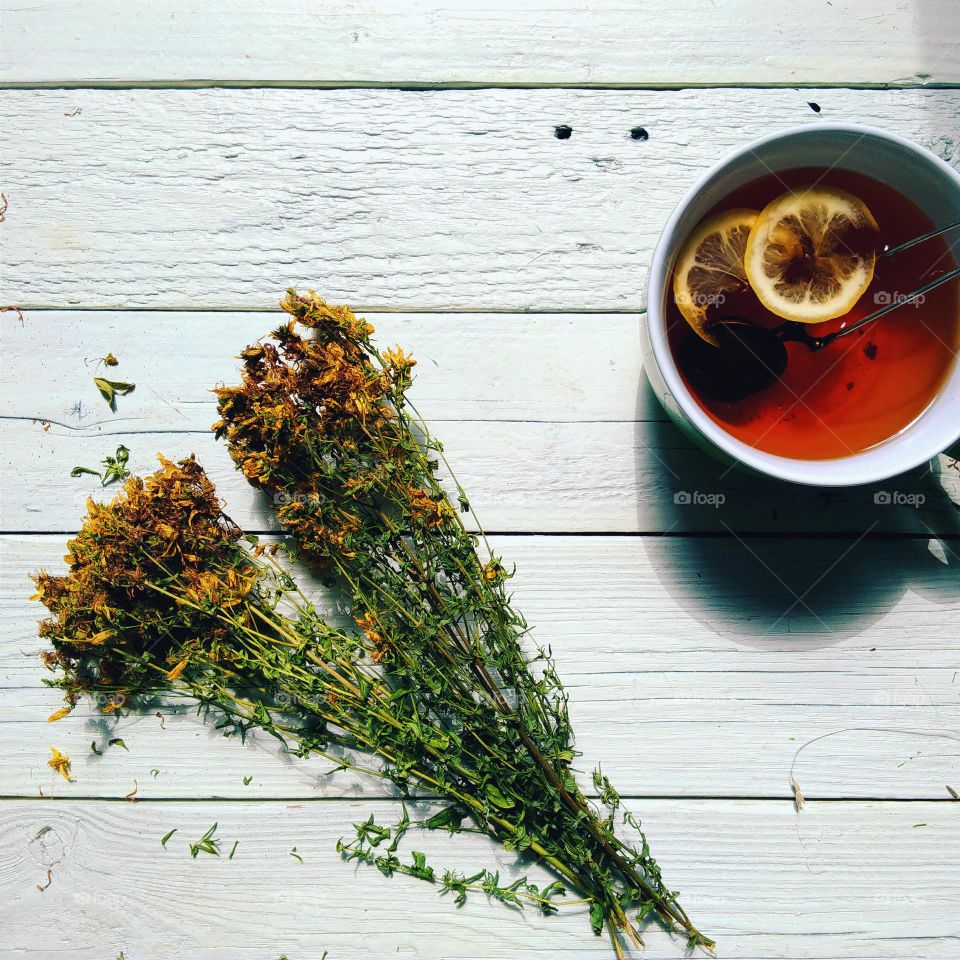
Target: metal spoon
pixel 748 358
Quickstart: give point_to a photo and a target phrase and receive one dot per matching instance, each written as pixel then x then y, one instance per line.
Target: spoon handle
pixel 893 251
pixel 883 311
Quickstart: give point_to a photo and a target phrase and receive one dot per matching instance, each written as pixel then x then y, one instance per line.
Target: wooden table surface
pixel 172 167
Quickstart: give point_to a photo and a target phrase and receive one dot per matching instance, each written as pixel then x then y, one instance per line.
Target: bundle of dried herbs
pixel 165 593
pixel 436 684
pixel 323 423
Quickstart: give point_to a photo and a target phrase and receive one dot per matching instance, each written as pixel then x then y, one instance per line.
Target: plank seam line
pixel 24 418
pixel 357 308
pixel 427 798
pixel 632 534
pixel 406 86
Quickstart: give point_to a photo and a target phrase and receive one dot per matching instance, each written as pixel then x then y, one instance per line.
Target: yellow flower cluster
pixel 150 575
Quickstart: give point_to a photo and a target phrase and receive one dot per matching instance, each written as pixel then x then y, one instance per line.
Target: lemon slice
pixel 710 265
pixel 811 253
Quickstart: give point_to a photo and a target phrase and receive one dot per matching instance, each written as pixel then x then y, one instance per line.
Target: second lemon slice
pixel 811 253
pixel 710 266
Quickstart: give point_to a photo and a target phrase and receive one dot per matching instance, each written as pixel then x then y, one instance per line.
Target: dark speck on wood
pixel 563 132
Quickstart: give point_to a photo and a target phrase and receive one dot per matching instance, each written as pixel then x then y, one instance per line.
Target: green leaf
pixel 419 868
pixel 399 830
pixel 596 917
pixel 163 842
pixel 105 388
pixel 206 844
pixel 110 388
pixel 449 818
pixel 114 468
pixel 498 799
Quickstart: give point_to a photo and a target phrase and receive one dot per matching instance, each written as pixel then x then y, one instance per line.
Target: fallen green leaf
pixel 110 388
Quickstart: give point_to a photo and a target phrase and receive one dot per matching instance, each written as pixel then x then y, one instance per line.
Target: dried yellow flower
pixel 178 669
pixel 60 762
pixel 396 358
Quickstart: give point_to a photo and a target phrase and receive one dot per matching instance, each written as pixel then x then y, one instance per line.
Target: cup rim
pixel 863 467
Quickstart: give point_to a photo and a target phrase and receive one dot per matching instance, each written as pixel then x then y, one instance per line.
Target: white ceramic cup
pixel 926 180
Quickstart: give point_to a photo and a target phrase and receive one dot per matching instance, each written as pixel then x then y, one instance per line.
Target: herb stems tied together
pixel 323 423
pixel 433 684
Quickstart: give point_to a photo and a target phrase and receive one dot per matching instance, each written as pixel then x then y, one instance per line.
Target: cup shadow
pixel 776 565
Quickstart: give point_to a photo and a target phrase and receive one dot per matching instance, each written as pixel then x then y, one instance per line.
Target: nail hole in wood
pixel 563 132
pixel 639 133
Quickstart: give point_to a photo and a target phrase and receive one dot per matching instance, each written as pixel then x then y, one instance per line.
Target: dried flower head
pixel 314 422
pixel 59 762
pixel 116 619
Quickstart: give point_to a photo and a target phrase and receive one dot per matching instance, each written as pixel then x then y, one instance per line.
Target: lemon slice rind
pixel 710 265
pixel 816 216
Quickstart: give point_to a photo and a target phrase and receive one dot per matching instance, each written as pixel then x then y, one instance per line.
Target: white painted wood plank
pixel 489 366
pixel 401 199
pixel 560 41
pixel 692 672
pixel 572 442
pixel 840 880
pixel 522 476
pixel 527 477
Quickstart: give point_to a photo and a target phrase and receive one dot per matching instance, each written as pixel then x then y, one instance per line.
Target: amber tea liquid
pixel 863 388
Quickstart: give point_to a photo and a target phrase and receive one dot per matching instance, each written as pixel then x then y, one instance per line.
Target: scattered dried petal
pixel 178 669
pixel 798 799
pixel 61 763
